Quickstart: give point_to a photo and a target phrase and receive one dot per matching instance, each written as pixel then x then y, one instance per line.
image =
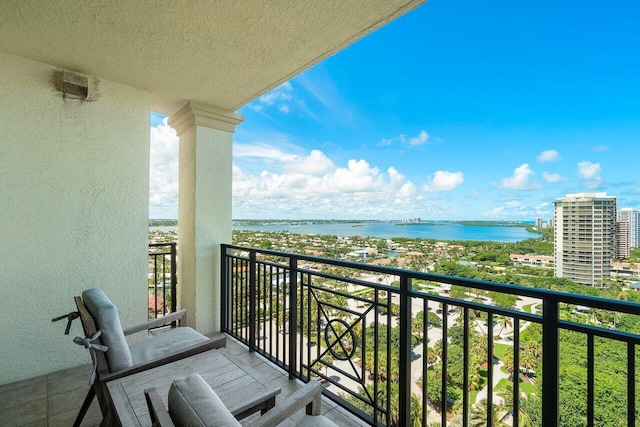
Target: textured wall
pixel 74 183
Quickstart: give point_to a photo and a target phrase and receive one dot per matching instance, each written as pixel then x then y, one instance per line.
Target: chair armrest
pixel 161 321
pixel 216 342
pixel 263 401
pixel 309 395
pixel 157 411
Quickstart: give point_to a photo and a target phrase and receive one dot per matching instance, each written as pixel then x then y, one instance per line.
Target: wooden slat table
pixel 232 382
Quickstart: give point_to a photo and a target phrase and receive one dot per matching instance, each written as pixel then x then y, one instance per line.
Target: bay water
pixel 438 231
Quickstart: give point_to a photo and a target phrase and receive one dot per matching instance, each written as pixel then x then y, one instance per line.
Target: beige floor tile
pixel 28 413
pixel 22 393
pixel 67 401
pixel 92 418
pixel 69 379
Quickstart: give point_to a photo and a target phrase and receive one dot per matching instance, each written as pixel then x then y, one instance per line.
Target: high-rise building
pixel 585 226
pixel 623 238
pixel 633 217
pixel 538 223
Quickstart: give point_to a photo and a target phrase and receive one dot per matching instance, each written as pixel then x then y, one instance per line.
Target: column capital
pixel 197 113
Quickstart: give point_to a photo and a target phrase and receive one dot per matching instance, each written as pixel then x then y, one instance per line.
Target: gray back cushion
pixel 106 317
pixel 192 403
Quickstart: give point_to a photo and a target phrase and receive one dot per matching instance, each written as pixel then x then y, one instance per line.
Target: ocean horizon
pixel 439 231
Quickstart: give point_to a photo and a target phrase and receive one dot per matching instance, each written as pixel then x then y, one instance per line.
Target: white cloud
pixel 548 156
pixel 315 163
pixel 414 141
pixel 600 148
pixel 262 151
pixel 510 209
pixel 590 174
pixel 385 142
pixel 420 139
pixel 163 172
pixel 520 179
pixel 552 178
pixel 279 98
pixel 444 181
pixel 588 170
pixel 313 185
pixel 544 209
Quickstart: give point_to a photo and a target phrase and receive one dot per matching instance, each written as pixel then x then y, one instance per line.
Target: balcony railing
pixel 400 347
pixel 162 279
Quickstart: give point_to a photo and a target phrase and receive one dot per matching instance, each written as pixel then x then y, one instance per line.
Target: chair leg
pixel 85 406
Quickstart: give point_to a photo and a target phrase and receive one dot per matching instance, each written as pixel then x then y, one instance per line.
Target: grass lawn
pixel 525 387
pixel 527 308
pixel 499 349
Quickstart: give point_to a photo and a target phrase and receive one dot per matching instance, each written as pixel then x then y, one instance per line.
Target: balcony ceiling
pixel 224 53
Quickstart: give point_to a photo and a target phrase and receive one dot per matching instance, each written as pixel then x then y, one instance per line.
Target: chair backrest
pixel 99 313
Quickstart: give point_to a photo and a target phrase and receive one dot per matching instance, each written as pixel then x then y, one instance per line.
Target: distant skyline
pixel 458 110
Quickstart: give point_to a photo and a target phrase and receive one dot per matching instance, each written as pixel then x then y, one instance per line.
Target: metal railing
pixel 401 347
pixel 162 279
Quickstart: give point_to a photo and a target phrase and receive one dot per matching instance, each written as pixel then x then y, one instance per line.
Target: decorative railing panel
pixel 400 347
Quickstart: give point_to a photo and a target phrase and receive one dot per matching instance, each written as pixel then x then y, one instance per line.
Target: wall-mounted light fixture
pixel 73 84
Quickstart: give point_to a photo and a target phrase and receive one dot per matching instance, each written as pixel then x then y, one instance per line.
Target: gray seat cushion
pixel 192 403
pixel 165 343
pixel 106 317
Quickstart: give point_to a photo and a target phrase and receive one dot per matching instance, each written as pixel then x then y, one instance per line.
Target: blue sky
pixel 458 110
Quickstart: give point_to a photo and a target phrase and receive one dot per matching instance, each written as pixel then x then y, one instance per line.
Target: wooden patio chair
pixel 114 358
pixel 192 403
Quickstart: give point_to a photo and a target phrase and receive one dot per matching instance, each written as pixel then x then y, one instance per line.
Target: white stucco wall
pixel 74 184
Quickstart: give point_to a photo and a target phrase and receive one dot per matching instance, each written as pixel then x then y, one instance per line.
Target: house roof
pixel 224 53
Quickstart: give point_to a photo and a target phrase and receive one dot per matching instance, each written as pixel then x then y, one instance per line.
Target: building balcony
pixel 395 347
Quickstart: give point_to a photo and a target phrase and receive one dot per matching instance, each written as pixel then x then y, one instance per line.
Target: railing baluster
pixel 631 385
pixel 376 343
pixel 164 286
pixel 174 277
pixel 550 362
pixel 444 400
pixel 224 287
pixel 301 321
pixel 293 312
pixel 388 361
pixel 516 372
pixel 425 357
pixel 465 368
pixel 252 301
pixel 404 398
pixel 269 276
pixel 590 380
pixel 489 368
pixel 308 298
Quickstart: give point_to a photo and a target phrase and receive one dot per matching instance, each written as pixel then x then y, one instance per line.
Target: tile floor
pixel 54 400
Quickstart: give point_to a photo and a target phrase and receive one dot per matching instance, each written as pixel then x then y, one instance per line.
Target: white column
pixel 204 209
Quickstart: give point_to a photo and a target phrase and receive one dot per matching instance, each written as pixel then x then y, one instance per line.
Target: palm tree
pixel 533 347
pixel 415 414
pixel 479 415
pixel 432 357
pixel 507 361
pixel 507 396
pixel 503 322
